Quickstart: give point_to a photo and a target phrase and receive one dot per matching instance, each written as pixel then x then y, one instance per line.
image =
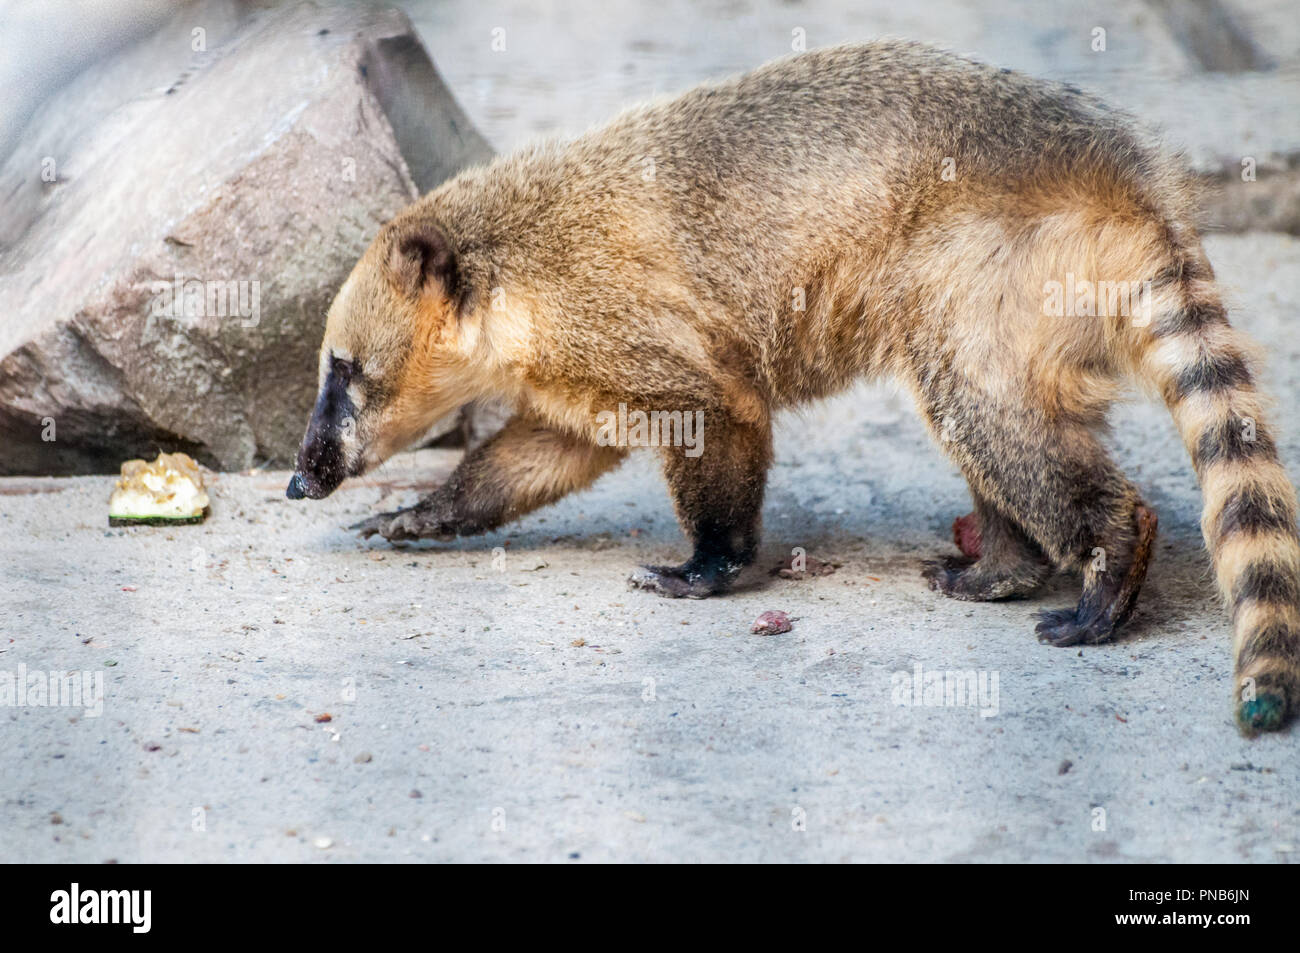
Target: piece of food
pixel 772 622
pixel 966 534
pixel 163 493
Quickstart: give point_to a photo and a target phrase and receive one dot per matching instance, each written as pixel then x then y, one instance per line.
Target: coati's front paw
pixel 417 522
pixel 375 524
pixel 1065 627
pixel 679 582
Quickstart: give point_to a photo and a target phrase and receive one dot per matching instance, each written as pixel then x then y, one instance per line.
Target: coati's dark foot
pixel 938 572
pixel 1065 627
pixel 1109 594
pixel 998 560
pixel 690 580
pixel 428 519
pixel 718 496
pixel 982 580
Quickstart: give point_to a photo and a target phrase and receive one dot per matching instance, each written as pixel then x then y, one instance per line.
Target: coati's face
pixel 393 358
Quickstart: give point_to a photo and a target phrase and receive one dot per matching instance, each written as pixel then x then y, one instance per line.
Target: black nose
pixel 297 489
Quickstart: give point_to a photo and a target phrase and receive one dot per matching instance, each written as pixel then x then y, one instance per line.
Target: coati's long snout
pixel 323 457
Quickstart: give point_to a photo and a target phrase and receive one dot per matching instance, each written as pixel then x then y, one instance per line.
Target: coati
pixel 753 244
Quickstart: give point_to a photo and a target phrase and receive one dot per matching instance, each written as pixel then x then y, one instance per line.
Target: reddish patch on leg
pixel 966 534
pixel 1146 520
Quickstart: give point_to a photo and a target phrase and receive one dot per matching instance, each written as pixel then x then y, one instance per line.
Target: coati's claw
pixel 1063 628
pixel 1265 712
pixel 676 582
pixel 375 524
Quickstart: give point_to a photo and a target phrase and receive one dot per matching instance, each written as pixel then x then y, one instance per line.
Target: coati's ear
pixel 422 259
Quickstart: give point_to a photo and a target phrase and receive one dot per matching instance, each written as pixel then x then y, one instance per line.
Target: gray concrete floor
pixel 523 705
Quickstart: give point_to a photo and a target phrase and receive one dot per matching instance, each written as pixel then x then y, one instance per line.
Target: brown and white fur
pixel 885 209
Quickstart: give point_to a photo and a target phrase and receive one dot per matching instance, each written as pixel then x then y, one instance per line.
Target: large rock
pixel 247 159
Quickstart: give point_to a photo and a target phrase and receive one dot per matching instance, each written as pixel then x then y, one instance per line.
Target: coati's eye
pixel 342 370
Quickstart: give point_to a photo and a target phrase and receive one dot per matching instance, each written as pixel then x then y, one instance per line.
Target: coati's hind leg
pixel 1055 481
pixel 523 466
pixel 1109 591
pixel 1010 564
pixel 1081 510
pixel 718 496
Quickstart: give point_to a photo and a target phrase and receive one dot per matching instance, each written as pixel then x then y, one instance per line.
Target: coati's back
pixel 847 143
pixel 798 204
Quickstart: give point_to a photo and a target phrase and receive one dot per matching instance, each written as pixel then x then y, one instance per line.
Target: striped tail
pixel 1202 369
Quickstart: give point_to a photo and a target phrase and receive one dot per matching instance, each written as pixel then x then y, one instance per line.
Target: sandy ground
pixel 508 698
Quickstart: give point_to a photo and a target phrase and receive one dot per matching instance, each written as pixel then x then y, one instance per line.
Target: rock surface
pixel 251 156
